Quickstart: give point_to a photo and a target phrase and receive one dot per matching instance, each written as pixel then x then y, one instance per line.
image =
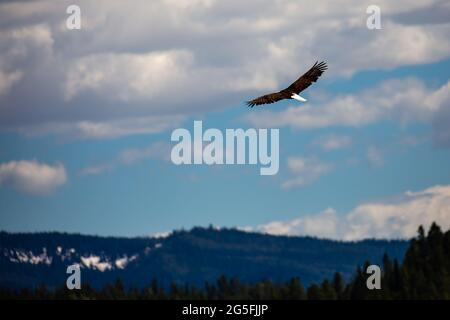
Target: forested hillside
pixel 184 257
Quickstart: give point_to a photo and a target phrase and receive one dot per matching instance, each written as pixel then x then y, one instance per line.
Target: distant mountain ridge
pixel 194 257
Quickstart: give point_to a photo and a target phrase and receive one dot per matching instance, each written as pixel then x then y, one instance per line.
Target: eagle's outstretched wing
pixel 308 78
pixel 266 99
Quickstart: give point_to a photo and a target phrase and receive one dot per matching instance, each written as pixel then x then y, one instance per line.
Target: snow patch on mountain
pixel 121 263
pixel 96 263
pixel 22 256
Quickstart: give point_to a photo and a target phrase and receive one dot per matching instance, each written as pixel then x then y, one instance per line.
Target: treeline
pixel 423 274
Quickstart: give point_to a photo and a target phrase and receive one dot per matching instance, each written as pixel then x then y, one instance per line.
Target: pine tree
pixel 328 291
pixel 338 285
pixel 315 293
pixel 295 290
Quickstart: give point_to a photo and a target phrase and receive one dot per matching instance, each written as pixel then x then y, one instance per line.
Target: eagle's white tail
pixel 298 98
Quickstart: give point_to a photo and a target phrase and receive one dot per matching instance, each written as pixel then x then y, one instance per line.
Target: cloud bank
pixel 391 219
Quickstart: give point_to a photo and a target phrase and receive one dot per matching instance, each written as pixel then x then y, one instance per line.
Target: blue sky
pixel 94 150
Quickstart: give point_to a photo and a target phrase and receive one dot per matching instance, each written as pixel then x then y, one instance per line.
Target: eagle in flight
pixel 294 89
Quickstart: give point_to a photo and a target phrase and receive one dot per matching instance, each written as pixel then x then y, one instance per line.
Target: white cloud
pixel 96 169
pixel 305 170
pixel 323 225
pixel 333 142
pixel 32 177
pixel 113 129
pixel 26 38
pixel 17 45
pixel 107 129
pixel 390 219
pixel 8 79
pixel 128 77
pixel 412 45
pixel 163 234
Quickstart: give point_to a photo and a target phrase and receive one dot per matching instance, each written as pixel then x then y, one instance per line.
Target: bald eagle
pixel 294 89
